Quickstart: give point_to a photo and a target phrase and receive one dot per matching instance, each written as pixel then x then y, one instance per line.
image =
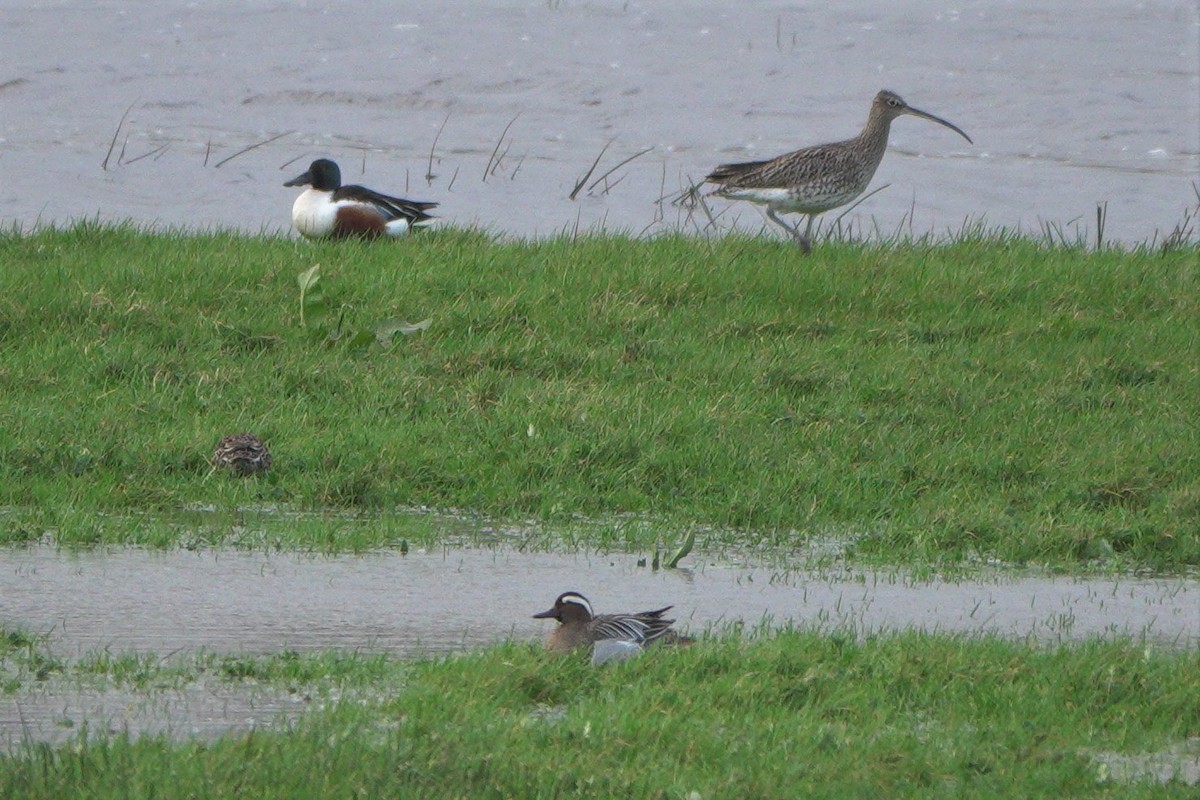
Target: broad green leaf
pixel 386 330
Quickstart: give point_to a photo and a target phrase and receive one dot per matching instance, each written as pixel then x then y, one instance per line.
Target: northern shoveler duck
pixel 242 454
pixel 611 636
pixel 329 210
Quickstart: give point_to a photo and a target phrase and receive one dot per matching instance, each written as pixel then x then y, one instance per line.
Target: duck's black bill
pixel 547 614
pixel 301 180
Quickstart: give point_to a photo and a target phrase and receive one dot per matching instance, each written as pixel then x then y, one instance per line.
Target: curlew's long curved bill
pixel 916 112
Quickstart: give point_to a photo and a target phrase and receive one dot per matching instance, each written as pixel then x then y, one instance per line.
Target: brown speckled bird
pixel 816 179
pixel 243 454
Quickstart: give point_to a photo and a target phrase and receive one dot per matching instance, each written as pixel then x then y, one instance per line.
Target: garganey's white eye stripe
pixel 578 600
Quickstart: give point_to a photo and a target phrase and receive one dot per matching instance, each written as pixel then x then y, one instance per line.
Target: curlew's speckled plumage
pixel 816 179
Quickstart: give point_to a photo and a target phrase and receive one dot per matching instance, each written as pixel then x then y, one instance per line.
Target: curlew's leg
pixel 804 242
pixel 795 234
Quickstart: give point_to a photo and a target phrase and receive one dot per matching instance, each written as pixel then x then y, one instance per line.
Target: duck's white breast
pixel 314 213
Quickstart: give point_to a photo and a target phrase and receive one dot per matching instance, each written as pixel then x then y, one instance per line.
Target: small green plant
pixel 25 656
pixel 315 317
pixel 658 561
pixel 314 314
pixel 689 542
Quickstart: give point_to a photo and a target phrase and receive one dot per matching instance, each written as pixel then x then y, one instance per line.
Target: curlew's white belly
pixel 795 200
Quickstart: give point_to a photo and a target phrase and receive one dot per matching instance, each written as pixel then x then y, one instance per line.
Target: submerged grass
pixel 28 664
pixel 990 397
pixel 793 714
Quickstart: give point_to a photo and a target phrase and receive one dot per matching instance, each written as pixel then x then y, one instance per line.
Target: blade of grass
pixel 254 146
pixel 116 133
pixel 582 181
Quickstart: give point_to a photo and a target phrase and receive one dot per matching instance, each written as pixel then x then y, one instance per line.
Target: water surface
pixel 170 603
pixel 55 714
pixel 1068 107
pixel 447 600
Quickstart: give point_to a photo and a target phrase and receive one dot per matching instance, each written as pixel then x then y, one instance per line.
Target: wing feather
pixel 790 169
pixel 391 207
pixel 641 628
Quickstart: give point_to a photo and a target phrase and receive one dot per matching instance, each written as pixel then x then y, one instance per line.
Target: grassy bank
pixel 991 397
pixel 796 714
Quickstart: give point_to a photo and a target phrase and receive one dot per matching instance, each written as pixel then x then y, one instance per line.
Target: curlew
pixel 816 179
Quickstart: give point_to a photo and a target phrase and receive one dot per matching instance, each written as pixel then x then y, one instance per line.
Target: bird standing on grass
pixel 816 179
pixel 329 210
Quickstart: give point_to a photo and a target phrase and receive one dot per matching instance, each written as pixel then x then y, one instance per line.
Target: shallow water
pixel 56 714
pixel 443 601
pixel 423 603
pixel 1176 762
pixel 1067 108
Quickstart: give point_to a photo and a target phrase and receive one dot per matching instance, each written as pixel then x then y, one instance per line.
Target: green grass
pixel 990 397
pixel 794 714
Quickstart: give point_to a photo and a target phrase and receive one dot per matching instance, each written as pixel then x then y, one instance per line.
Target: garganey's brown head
pixel 569 607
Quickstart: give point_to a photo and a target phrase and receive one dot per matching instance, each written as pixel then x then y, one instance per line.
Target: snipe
pixel 242 454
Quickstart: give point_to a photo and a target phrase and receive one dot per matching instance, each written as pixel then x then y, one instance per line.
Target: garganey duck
pixel 611 636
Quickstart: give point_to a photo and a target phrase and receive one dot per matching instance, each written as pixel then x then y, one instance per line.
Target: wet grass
pixel 992 397
pixel 793 714
pixel 28 663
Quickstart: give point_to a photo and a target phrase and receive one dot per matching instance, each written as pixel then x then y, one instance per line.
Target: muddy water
pixel 444 601
pixel 56 714
pixel 437 602
pixel 1067 108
